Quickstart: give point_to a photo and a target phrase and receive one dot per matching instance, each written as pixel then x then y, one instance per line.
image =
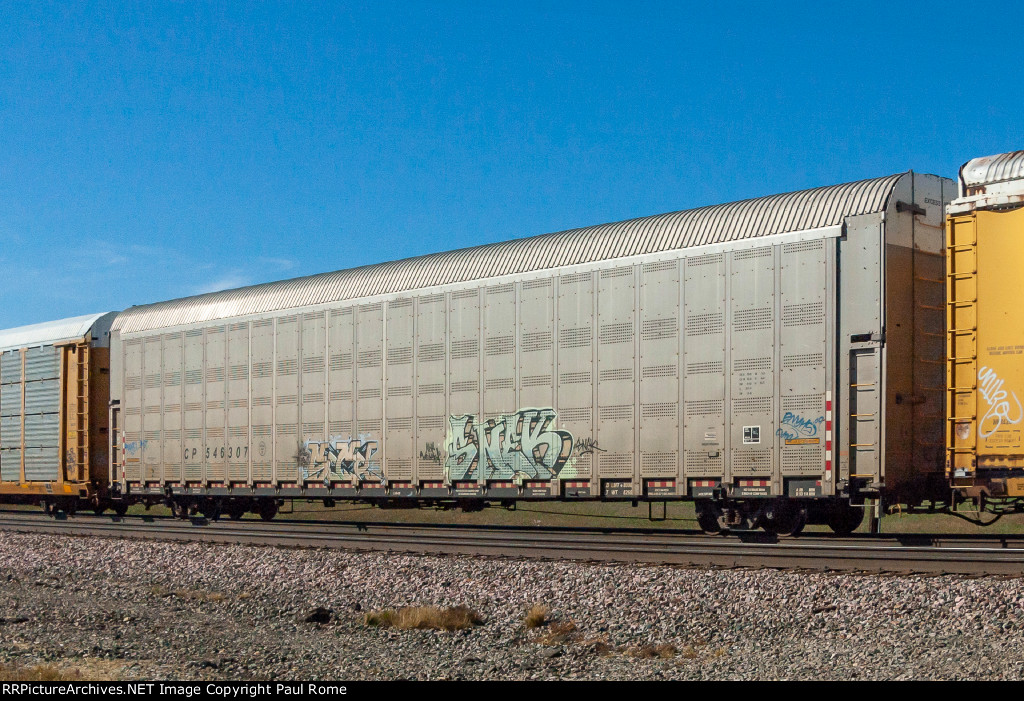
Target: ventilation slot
pixel 617 272
pixel 698 261
pixel 574 279
pixel 343 395
pixel 536 381
pixel 809 360
pixel 805 459
pixel 701 464
pixel 430 389
pixel 802 246
pixel 400 424
pixel 313 364
pixel 658 464
pixel 802 314
pixel 579 337
pixel 468 348
pixel 500 383
pixel 658 371
pixel 466 386
pixel 659 266
pixel 370 358
pixel 714 366
pixel 341 361
pixel 340 428
pixel 616 333
pixel 615 464
pixel 430 352
pixel 574 378
pixel 752 364
pixel 537 284
pixel 400 356
pixel 765 252
pixel 622 374
pixel 575 415
pixel 430 423
pixel 215 374
pixel 752 462
pixel 657 329
pixel 537 341
pixel 616 413
pixel 399 391
pixel 752 405
pixel 752 319
pixel 658 411
pixel 704 324
pixel 499 345
pixel 287 366
pixel 802 401
pixel 368 393
pixel 706 407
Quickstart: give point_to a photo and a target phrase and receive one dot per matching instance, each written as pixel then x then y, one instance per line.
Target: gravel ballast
pixel 191 611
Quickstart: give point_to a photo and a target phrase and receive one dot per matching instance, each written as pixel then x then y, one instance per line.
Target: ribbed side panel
pixel 42 396
pixel 42 430
pixel 10 431
pixel 10 400
pixel 10 465
pixel 41 464
pixel 10 367
pixel 42 363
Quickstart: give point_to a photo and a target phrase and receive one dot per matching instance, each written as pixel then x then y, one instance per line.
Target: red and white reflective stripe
pixel 432 485
pixel 501 485
pixel 577 484
pixel 828 436
pixel 754 483
pixel 661 483
pixel 705 483
pixel 537 485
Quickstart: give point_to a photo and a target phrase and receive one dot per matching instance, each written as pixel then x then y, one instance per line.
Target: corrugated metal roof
pixel 764 216
pixel 48 332
pixel 993 169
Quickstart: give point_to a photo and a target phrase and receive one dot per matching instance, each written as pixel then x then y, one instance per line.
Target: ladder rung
pixel 962 332
pixel 972 359
pixel 962 247
pixel 962 418
pixel 962 302
pixel 962 275
pixel 864 384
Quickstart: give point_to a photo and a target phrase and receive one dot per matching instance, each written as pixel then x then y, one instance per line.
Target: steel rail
pixel 984 555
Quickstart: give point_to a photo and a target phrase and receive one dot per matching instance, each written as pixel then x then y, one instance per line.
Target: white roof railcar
pixel 669 355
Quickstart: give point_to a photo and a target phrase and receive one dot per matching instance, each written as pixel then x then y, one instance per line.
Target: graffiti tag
pixel 990 386
pixel 584 446
pixel 523 444
pixel 133 447
pixel 795 426
pixel 432 454
pixel 340 458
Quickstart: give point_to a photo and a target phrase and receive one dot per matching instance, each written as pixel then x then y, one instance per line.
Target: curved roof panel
pixel 48 332
pixel 992 169
pixel 764 216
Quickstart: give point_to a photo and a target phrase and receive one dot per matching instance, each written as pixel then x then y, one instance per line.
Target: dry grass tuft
pixel 663 651
pixel 536 616
pixel 558 632
pixel 425 618
pixel 38 673
pixel 689 652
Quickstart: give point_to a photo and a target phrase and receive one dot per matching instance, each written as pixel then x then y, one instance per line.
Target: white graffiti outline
pixel 990 386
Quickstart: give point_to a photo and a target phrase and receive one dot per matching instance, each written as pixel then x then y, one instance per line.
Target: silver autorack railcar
pixel 777 360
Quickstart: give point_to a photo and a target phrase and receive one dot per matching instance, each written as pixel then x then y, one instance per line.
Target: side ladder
pixel 961 347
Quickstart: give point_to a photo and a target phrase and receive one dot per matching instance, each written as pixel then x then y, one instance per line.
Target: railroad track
pixel 937 554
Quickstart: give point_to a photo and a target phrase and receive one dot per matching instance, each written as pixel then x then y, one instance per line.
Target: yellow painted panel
pixel 1000 366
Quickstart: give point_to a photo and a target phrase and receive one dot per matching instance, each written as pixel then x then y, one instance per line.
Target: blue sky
pixel 156 150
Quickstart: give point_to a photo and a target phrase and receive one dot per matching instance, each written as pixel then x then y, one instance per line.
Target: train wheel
pixel 707 516
pixel 235 510
pixel 843 520
pixel 267 509
pixel 121 508
pixel 179 508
